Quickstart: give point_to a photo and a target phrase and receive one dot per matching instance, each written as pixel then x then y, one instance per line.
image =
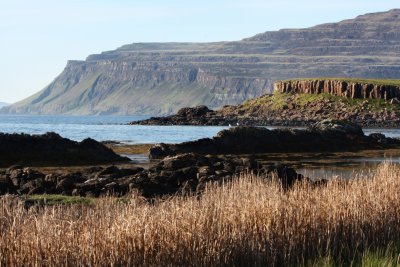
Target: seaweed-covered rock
pixel 325 136
pixel 182 174
pixel 52 149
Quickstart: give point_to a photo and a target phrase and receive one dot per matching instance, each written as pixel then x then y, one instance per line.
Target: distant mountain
pixel 160 78
pixel 2 104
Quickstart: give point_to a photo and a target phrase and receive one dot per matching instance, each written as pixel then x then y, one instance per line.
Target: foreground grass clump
pixel 52 200
pixel 248 222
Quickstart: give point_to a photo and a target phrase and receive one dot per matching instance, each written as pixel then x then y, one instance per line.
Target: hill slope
pixel 2 104
pixel 160 78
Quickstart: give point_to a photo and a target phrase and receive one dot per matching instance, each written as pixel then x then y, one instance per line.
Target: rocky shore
pixel 51 149
pixel 182 174
pixel 182 169
pixel 325 136
pixel 368 106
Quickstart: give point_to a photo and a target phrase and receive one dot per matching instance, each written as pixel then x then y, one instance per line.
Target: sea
pixel 104 128
pixel 116 128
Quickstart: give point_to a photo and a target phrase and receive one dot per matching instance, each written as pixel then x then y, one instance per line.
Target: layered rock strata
pixel 289 109
pixel 339 88
pixel 160 78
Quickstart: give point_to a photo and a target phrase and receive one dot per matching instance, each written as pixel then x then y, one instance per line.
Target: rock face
pixel 51 149
pixel 343 88
pixel 291 109
pixel 325 136
pixel 182 174
pixel 157 78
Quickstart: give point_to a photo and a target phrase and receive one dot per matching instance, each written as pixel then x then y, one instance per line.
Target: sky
pixel 38 37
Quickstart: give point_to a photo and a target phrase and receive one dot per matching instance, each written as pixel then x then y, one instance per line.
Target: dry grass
pixel 249 222
pixel 130 149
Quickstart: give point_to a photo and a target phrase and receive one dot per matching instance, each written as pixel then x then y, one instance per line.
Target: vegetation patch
pixel 278 101
pixel 249 221
pixel 52 200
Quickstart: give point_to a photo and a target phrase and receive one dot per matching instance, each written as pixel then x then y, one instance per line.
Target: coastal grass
pixel 130 149
pixel 250 221
pixel 51 200
pixel 279 101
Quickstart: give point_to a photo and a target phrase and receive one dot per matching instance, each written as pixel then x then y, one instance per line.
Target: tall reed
pixel 248 222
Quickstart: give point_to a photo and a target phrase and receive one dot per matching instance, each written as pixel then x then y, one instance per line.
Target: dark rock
pixel 378 137
pixel 109 170
pixel 285 175
pixel 159 151
pixel 6 185
pixel 194 112
pixel 179 162
pixel 341 126
pixel 182 174
pixel 33 186
pixel 66 183
pixel 325 136
pixel 52 149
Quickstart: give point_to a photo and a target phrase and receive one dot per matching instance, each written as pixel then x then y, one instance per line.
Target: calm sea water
pixel 104 128
pixel 114 128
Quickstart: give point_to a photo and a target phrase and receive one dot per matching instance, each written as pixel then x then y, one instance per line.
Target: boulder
pixel 6 185
pixel 181 174
pixel 324 136
pixel 340 126
pixel 51 149
pixel 193 112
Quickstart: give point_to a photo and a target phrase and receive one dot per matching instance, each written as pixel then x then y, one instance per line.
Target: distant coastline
pixel 4 104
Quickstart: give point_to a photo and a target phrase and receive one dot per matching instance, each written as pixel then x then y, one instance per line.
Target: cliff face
pixel 343 88
pixel 160 78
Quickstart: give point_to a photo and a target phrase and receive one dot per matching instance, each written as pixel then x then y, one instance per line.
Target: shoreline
pixel 165 121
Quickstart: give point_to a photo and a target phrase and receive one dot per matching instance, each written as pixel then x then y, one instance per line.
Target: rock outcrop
pixel 366 90
pixel 290 109
pixel 183 174
pixel 51 149
pixel 160 78
pixel 325 136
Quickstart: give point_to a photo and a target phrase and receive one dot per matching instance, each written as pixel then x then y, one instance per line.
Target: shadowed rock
pixel 52 149
pixel 325 136
pixel 183 175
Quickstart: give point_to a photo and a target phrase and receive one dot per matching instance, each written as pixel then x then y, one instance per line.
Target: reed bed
pixel 248 222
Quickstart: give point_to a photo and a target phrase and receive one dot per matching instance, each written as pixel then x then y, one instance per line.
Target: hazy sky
pixel 38 37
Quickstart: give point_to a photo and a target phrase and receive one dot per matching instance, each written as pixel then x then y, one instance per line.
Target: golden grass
pixel 130 149
pixel 249 222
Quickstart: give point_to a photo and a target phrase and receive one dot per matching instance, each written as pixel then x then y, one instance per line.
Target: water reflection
pixel 327 165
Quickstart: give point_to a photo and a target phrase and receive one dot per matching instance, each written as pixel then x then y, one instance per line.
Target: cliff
pixel 342 87
pixel 160 78
pixel 302 103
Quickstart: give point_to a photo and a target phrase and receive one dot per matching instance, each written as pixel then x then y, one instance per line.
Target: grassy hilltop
pixel 375 103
